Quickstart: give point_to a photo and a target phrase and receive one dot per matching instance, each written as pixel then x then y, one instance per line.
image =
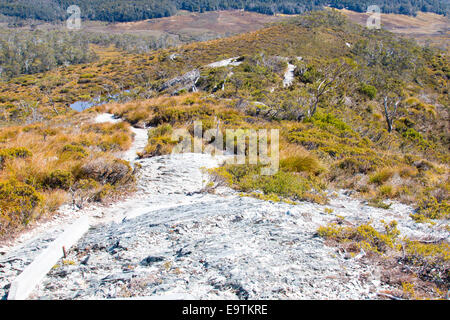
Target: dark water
pixel 83 105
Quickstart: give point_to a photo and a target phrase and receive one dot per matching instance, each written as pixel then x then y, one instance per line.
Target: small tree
pixel 47 90
pixel 392 96
pixel 390 111
pixel 31 110
pixel 326 80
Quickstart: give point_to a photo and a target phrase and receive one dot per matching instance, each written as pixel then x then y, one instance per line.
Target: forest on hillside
pixel 124 10
pixel 27 52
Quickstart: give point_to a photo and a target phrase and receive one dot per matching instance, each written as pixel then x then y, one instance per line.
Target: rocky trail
pixel 173 240
pixel 289 76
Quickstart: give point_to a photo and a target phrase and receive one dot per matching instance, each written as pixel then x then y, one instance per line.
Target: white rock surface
pixel 289 76
pixel 225 63
pixel 106 118
pixel 171 239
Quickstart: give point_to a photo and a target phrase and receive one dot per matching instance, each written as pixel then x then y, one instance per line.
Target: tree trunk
pixel 386 112
pixel 313 108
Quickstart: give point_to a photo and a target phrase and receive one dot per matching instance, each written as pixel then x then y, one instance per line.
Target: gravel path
pixel 289 76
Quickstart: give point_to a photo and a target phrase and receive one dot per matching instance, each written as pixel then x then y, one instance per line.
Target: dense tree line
pixel 33 52
pixel 29 52
pixel 408 7
pixel 125 10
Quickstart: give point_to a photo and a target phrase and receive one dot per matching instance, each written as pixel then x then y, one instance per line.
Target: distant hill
pixel 124 10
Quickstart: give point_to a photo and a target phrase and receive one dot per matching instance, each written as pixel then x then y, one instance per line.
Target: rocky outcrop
pixel 185 82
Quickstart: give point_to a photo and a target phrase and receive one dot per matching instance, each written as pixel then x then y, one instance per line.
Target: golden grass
pixel 59 150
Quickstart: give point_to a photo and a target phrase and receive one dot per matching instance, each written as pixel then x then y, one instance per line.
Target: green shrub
pixel 74 152
pixel 429 261
pixel 430 208
pixel 368 90
pixel 248 178
pixel 105 193
pixel 364 235
pixel 11 153
pixel 174 115
pixel 59 179
pixel 305 163
pixel 386 191
pixel 310 75
pixel 323 120
pixel 381 176
pixel 354 165
pixel 17 204
pixel 161 130
pixel 107 171
pixel 87 76
pixel 377 203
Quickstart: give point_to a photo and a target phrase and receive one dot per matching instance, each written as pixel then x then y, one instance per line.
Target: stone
pixel 151 260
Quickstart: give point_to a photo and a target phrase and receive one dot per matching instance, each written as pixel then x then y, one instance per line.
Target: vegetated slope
pixel 120 10
pixel 29 48
pixel 341 138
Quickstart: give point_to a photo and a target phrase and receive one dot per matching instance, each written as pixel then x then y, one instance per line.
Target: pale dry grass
pixel 218 22
pixel 57 153
pixel 424 27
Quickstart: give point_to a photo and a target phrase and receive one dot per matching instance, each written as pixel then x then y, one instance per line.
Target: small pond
pixel 98 101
